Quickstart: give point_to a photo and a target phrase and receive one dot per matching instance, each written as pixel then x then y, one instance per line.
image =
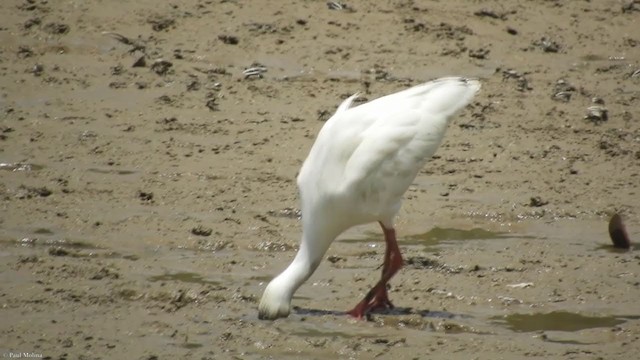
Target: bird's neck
pixel 315 242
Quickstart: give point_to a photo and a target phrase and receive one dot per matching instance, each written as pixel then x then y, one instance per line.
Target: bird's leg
pixel 381 298
pixel 377 297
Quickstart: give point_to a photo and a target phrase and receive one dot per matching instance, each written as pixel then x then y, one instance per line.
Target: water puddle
pixel 438 236
pixel 43 231
pixel 190 345
pixel 311 332
pixel 597 57
pixel 58 246
pixel 331 330
pixel 558 321
pixel 396 314
pixel 37 242
pixel 567 342
pixel 185 277
pixel 20 167
pixel 378 323
pixel 262 278
pixel 610 248
pixel 112 171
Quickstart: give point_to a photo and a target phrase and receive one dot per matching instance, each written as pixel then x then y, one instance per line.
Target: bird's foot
pixel 380 301
pixel 357 312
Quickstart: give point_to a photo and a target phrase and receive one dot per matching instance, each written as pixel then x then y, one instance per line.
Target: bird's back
pixel 365 157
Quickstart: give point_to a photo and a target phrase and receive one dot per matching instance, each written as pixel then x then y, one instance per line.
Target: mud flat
pixel 148 194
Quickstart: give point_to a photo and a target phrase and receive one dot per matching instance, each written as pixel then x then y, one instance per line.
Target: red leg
pixel 381 298
pixel 377 297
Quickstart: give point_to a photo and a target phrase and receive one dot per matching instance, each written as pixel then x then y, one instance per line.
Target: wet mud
pixel 148 155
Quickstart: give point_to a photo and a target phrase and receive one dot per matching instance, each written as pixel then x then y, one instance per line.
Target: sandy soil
pixel 148 191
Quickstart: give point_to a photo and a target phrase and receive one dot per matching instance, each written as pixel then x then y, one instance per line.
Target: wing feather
pixel 369 154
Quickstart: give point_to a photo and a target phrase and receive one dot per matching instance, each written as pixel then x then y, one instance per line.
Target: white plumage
pixel 362 162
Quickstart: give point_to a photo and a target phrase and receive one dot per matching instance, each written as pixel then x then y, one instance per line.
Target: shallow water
pixel 559 321
pixel 184 277
pixel 436 237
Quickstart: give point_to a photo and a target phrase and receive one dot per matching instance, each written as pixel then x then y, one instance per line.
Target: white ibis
pixel 362 162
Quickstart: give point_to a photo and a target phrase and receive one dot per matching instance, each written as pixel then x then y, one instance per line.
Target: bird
pixel 362 162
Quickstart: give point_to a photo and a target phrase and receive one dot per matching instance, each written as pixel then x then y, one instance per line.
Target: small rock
pixel 145 196
pixel 141 62
pixel 194 85
pixel 479 53
pixel 548 45
pixel 58 251
pixel 536 201
pixel 521 80
pixel 288 212
pixel 105 273
pixel 272 246
pixel 201 231
pixel 618 233
pixel 597 114
pixel 161 23
pixel 67 343
pixel 24 52
pixel 117 70
pixel 165 99
pixel 28 192
pixel 212 104
pixel 630 6
pixel 56 28
pixel 117 84
pixel 254 71
pixel 31 23
pixel 28 259
pixel 214 245
pixel 563 91
pixel 334 5
pixel 489 13
pixel 37 69
pixel 161 66
pixel 229 39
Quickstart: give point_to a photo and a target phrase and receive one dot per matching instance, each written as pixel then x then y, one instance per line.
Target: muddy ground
pixel 148 184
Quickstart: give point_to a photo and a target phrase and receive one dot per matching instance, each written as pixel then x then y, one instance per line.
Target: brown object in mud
pixel 618 233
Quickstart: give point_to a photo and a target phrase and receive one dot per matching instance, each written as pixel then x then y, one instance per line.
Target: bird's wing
pixel 333 146
pixel 407 130
pixel 387 160
pixel 370 154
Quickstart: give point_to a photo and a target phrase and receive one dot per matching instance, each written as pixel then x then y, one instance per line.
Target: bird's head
pixel 275 302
